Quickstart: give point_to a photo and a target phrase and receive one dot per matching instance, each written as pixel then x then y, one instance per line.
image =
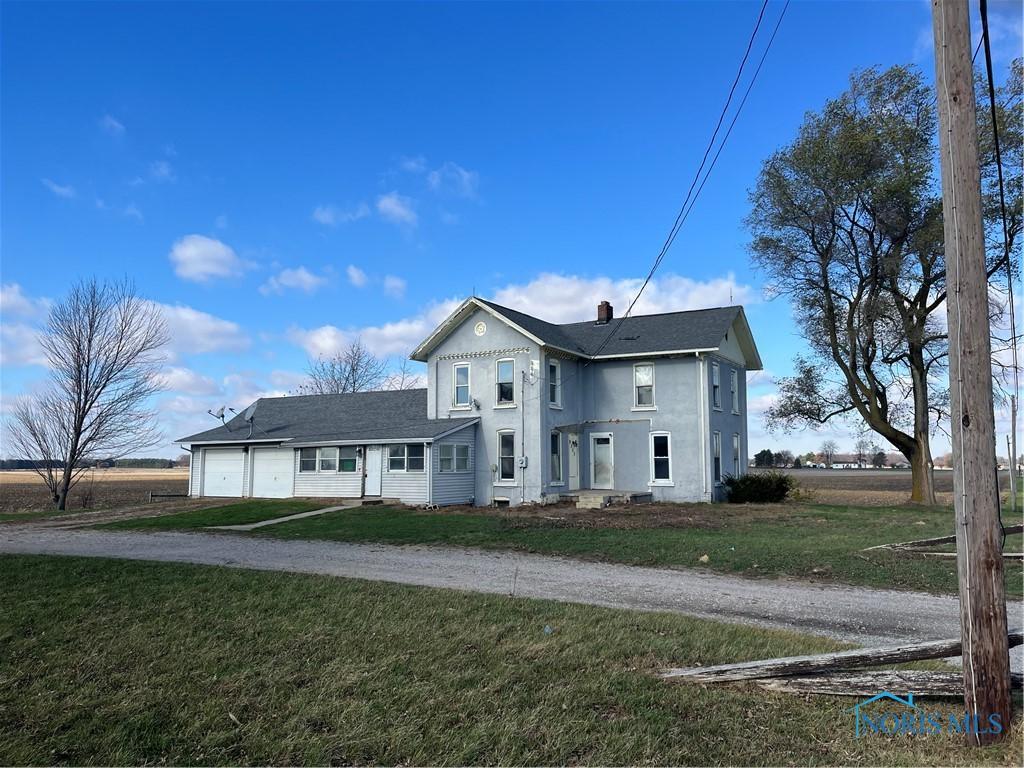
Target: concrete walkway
pixel 276 520
pixel 852 614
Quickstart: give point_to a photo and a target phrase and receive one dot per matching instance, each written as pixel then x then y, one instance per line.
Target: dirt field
pixel 24 491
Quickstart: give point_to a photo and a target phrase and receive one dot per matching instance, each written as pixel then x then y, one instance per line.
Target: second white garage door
pixel 222 472
pixel 273 473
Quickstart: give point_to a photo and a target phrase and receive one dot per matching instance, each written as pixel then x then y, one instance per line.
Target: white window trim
pixel 654 389
pixel 716 381
pixel 405 456
pixel 716 442
pixel 497 401
pixel 557 402
pixel 455 459
pixel 734 386
pixel 319 471
pixel 670 481
pixel 561 461
pixel 737 448
pixel 515 463
pixel 469 386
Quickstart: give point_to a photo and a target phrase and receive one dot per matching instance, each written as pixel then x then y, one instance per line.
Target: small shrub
pixel 759 487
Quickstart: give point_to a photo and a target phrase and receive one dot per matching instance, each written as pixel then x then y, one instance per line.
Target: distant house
pixel 515 410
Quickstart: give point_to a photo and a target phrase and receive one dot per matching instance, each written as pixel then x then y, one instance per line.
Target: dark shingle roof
pixel 393 415
pixel 639 334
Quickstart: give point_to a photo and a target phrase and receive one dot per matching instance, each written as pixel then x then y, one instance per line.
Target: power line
pixel 691 195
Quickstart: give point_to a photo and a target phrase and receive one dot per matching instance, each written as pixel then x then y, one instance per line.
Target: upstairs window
pixel 505 378
pixel 661 458
pixel 734 385
pixel 643 385
pixel 460 392
pixel 554 382
pixel 716 387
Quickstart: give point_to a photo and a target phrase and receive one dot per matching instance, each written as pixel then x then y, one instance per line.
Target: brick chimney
pixel 604 313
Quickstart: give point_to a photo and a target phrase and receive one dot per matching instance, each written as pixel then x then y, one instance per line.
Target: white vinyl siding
pixel 643 386
pixel 411 487
pixel 195 472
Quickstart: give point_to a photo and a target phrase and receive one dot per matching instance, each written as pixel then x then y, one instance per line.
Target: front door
pixel 574 461
pixel 372 469
pixel 602 461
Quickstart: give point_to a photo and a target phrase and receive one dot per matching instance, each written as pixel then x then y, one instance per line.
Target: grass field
pixel 223 666
pixel 22 491
pixel 243 513
pixel 810 542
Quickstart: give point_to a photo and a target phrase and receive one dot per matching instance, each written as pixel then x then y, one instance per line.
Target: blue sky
pixel 285 177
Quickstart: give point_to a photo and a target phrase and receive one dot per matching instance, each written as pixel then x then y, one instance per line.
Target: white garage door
pixel 273 470
pixel 222 472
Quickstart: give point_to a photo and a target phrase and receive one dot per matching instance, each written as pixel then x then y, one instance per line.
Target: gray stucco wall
pixel 725 421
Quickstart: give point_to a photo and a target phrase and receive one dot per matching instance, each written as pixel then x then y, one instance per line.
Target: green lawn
pixel 115 662
pixel 794 540
pixel 243 513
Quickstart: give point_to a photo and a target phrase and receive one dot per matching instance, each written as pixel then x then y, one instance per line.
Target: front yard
pixel 801 541
pixel 110 662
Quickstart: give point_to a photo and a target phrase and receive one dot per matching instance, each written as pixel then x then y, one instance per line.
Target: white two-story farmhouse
pixel 515 410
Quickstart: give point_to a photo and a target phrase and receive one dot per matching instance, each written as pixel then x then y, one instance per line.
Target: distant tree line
pixel 181 461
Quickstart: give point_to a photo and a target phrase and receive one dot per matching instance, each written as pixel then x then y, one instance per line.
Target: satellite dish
pixel 218 414
pixel 250 411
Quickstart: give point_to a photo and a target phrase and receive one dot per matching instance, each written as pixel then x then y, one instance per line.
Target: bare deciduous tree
pixel 353 369
pixel 828 452
pixel 103 346
pixel 403 377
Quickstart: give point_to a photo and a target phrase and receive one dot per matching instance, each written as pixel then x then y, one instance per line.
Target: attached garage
pixel 223 471
pixel 273 473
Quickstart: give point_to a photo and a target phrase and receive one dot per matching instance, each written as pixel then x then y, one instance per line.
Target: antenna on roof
pixel 219 414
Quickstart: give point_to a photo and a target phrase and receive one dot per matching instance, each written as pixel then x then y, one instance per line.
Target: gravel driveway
pixel 852 614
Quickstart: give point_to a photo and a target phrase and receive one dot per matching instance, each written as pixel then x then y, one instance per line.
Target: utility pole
pixel 986 657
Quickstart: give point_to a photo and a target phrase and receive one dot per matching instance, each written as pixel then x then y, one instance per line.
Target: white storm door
pixel 373 469
pixel 602 461
pixel 222 471
pixel 574 461
pixel 273 472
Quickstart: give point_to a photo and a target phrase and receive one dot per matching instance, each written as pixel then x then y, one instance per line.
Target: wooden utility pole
pixel 986 658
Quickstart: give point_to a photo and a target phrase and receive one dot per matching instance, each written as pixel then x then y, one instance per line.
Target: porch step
pixel 599 499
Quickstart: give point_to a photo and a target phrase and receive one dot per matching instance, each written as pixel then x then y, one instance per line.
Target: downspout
pixel 522 439
pixel 702 389
pixel 429 450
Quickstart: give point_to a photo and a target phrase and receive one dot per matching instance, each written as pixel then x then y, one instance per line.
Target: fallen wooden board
pixel 951 539
pixel 825 662
pixel 952 555
pixel 919 683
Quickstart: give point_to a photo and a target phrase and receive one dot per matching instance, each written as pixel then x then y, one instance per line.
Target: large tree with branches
pixel 103 347
pixel 847 224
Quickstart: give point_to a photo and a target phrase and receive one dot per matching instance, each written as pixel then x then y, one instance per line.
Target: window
pixel 716 387
pixel 505 379
pixel 307 460
pixel 328 459
pixel 406 458
pixel 460 392
pixel 554 383
pixel 661 458
pixel 556 457
pixel 643 385
pixel 506 456
pixel 716 453
pixel 735 455
pixel 347 462
pixel 415 453
pixel 734 385
pixel 453 458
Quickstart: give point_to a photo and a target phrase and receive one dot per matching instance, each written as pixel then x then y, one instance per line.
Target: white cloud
pixel 199 258
pixel 195 332
pixel 299 279
pixel 111 125
pixel 185 381
pixel 394 286
pixel 356 276
pixel 161 171
pixel 416 164
pixel 452 178
pixel 13 302
pixel 333 215
pixel 568 298
pixel 65 191
pixel 19 345
pixel 397 209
